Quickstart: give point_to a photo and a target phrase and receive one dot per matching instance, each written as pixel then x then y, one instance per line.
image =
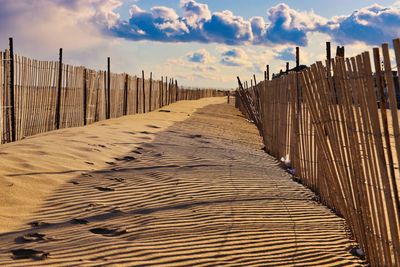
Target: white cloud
pixel 200 56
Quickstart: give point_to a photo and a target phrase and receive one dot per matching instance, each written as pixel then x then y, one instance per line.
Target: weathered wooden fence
pixel 40 96
pixel 336 126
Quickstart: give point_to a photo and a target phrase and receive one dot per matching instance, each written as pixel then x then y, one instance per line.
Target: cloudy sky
pixel 200 43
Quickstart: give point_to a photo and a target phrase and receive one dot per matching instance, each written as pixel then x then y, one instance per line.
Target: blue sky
pixel 199 42
pixel 249 8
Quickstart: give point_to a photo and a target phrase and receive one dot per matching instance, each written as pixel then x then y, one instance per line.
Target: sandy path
pixel 201 193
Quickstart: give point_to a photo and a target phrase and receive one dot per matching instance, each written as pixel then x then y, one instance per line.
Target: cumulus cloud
pixel 234 57
pixel 282 25
pixel 370 25
pixel 200 56
pixel 199 24
pixel 289 26
pixel 225 27
pixel 195 13
pixel 41 26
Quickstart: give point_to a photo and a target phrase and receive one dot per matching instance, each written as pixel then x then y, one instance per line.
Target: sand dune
pixel 198 191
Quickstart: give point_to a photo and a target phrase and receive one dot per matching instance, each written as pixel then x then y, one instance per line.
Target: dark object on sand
pixel 105 189
pixel 32 237
pixel 23 253
pixel 38 224
pixel 108 231
pixel 80 221
pixel 164 110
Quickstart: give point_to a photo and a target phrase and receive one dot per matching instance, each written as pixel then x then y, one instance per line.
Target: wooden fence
pixel 40 96
pixel 336 126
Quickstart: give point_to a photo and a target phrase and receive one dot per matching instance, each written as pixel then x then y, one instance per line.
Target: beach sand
pixel 189 187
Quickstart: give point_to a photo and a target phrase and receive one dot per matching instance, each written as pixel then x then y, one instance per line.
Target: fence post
pixel 297 111
pixel 161 92
pixel 108 114
pixel 12 96
pixel 150 88
pixel 176 90
pixel 340 52
pixel 84 96
pixel 137 95
pixel 166 90
pixel 126 89
pixel 267 72
pixel 58 102
pixel 144 92
pixel 328 58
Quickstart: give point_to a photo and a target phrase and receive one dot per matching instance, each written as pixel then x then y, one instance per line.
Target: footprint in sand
pixel 145 132
pixel 32 237
pixel 80 221
pixel 136 152
pixel 38 224
pixel 108 231
pixel 23 253
pixel 89 163
pixel 110 163
pixel 193 136
pixel 126 158
pixel 153 126
pixel 105 189
pixel 74 182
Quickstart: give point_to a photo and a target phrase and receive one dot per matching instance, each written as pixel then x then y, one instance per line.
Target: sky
pixel 201 43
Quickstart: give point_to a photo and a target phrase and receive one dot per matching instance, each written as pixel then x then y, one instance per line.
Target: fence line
pixel 336 127
pixel 83 99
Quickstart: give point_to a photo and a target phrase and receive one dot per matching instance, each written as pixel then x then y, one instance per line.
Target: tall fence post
pixel 84 96
pixel 166 90
pixel 108 114
pixel 267 72
pixel 328 58
pixel 137 95
pixel 176 91
pixel 58 101
pixel 297 80
pixel 126 88
pixel 144 92
pixel 161 100
pixel 171 90
pixel 150 88
pixel 12 96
